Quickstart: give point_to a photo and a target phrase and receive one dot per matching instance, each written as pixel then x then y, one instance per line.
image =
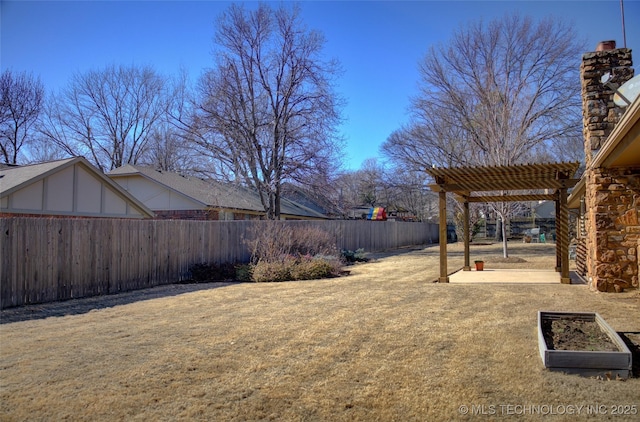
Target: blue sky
pixel 378 43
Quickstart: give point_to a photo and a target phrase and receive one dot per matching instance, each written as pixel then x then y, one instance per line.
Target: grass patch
pixel 384 343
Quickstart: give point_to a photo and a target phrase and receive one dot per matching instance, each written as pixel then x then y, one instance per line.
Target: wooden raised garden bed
pixel 582 343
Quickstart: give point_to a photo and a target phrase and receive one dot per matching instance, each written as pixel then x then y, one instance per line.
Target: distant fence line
pixel 51 259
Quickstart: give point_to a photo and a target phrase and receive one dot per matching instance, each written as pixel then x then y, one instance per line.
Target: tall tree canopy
pixel 21 101
pixel 107 115
pixel 497 94
pixel 267 111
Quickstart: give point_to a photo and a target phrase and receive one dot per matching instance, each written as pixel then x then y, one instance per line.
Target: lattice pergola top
pixel 524 177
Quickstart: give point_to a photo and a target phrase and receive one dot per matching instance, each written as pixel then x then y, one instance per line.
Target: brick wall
pixel 187 215
pixel 207 214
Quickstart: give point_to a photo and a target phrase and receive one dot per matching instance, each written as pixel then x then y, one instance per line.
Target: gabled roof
pixel 14 178
pixel 313 200
pixel 546 209
pixel 213 193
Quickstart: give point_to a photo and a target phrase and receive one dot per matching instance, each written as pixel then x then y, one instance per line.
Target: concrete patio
pixel 512 276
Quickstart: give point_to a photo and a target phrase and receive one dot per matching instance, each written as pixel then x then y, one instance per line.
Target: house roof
pixel 546 209
pixel 213 193
pixel 14 178
pixel 314 200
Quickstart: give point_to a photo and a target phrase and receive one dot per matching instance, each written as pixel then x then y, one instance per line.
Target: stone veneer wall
pixel 612 196
pixel 599 113
pixel 613 233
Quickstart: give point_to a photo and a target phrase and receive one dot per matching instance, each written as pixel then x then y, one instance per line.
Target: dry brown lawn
pixel 384 343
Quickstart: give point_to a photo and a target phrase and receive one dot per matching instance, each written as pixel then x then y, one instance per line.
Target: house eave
pixel 573 202
pixel 622 147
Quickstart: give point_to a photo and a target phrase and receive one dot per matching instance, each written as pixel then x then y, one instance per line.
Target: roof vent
pixel 606 45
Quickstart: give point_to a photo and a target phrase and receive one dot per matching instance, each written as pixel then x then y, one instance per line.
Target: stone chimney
pixel 599 113
pixel 611 218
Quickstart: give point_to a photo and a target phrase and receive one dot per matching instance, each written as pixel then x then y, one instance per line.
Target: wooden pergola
pixel 518 181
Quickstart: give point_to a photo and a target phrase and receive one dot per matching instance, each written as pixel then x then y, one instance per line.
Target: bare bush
pixel 265 271
pixel 308 268
pixel 276 241
pixel 281 252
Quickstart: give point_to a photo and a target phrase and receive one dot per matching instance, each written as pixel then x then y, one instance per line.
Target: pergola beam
pixel 488 185
pixel 510 198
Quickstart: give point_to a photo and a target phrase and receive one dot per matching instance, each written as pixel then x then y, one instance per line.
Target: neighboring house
pixel 608 195
pixel 312 200
pixel 401 214
pixel 70 188
pixel 173 196
pixel 541 218
pixel 358 213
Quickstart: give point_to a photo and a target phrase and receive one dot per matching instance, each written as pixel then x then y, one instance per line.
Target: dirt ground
pixel 576 335
pixel 384 343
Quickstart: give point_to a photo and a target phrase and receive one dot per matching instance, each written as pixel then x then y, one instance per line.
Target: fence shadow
pixel 88 304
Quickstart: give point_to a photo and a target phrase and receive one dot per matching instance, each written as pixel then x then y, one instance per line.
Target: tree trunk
pixel 505 252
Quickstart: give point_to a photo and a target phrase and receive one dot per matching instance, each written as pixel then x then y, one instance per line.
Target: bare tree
pixel 494 94
pixel 407 189
pixel 267 112
pixel 21 102
pixel 167 151
pixel 107 115
pixel 497 94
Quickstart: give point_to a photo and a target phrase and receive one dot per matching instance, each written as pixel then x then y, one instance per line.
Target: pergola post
pixel 558 234
pixel 467 235
pixel 564 237
pixel 443 237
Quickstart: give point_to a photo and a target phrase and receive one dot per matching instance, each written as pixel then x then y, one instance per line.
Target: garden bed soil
pixel 579 335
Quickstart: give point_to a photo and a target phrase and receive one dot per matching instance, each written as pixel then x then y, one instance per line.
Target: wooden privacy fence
pixel 50 259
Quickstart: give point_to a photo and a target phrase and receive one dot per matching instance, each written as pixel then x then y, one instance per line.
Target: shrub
pixel 275 241
pixel 301 268
pixel 354 256
pixel 314 269
pixel 265 271
pixel 283 251
pixel 204 272
pixel 244 272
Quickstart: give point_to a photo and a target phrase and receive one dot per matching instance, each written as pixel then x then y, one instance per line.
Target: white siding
pixel 89 192
pixel 155 196
pixel 29 198
pixel 59 191
pixel 133 212
pixel 71 190
pixel 113 204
